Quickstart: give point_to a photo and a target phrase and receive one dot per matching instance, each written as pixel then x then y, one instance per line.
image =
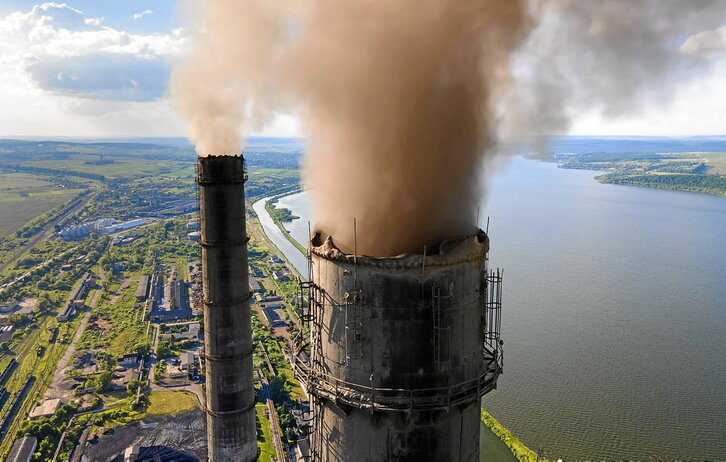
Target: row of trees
pixel 713 184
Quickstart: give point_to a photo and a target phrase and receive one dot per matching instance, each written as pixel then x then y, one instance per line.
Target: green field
pixel 22 182
pixel 119 166
pixel 171 402
pixel 716 161
pixel 16 210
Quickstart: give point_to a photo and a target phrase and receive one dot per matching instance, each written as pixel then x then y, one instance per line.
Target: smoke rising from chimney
pixel 397 97
pixel 404 101
pixel 224 87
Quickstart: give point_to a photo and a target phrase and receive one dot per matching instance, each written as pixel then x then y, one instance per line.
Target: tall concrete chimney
pixel 401 351
pixel 231 432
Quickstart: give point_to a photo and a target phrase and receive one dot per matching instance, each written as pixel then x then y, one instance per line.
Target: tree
pixel 102 381
pixel 133 385
pixel 277 389
pixel 142 348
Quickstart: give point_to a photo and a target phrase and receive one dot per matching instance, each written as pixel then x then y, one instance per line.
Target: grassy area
pixel 519 450
pixel 264 435
pixel 16 210
pixel 492 448
pixel 702 172
pixel 119 167
pixel 716 161
pixel 116 327
pixel 257 173
pixel 171 402
pixel 19 182
pixel 42 368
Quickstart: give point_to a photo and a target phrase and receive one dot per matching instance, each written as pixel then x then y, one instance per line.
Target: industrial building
pixel 142 291
pixel 125 226
pixel 10 307
pixel 45 409
pixel 84 230
pixel 77 299
pixel 180 294
pixel 255 286
pixel 23 449
pixel 401 351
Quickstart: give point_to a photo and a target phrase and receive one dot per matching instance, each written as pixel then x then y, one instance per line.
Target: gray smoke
pixel 613 57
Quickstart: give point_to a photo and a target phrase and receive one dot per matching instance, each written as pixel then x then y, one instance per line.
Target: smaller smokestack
pixel 231 431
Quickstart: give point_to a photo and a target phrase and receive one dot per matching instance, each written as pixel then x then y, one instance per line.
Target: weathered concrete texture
pixel 231 432
pixel 396 353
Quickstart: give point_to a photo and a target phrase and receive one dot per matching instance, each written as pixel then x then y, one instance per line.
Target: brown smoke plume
pixel 224 85
pixel 405 100
pixel 398 97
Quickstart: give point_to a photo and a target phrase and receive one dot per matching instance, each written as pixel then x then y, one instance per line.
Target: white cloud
pixel 93 21
pixel 140 15
pixel 106 63
pixel 708 44
pixel 64 73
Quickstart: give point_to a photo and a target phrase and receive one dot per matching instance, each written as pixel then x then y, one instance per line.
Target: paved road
pixel 55 390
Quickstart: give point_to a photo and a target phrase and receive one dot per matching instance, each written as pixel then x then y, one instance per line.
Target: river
pixel 614 316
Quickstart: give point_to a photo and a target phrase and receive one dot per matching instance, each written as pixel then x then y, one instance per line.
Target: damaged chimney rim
pixel 452 251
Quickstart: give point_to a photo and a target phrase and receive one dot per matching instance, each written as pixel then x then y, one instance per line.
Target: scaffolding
pixel 308 363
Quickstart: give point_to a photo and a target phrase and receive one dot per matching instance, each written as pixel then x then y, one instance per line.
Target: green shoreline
pixel 279 224
pixel 518 449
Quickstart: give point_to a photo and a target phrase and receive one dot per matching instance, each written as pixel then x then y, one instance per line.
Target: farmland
pixel 23 197
pixel 702 172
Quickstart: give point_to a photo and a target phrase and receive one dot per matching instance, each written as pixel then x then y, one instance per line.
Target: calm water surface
pixel 615 314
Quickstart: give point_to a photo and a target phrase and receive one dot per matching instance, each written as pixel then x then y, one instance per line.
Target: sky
pixel 100 68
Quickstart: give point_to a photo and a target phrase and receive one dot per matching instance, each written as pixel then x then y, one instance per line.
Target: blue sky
pixel 101 68
pixel 117 13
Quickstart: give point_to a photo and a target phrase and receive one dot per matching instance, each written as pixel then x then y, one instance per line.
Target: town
pixel 101 336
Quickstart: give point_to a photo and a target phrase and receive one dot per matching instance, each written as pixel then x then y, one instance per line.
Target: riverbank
pixel 270 206
pixel 517 448
pixel 697 172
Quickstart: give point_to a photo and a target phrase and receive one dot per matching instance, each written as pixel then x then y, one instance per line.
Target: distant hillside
pixel 586 144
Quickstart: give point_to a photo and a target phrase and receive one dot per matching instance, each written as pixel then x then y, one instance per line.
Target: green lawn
pixel 171 402
pixel 264 435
